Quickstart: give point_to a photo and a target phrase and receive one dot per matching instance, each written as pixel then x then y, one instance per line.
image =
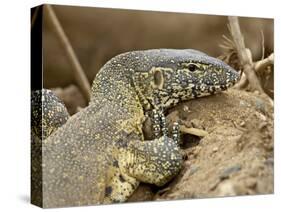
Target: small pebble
pixel 244 104
pixel 186 109
pixel 260 105
pixel 251 183
pixel 215 149
pixel 230 171
pixel 193 169
pixel 260 116
pixel 256 92
pixel 262 125
pixel 242 124
pixel 197 150
pixel 226 189
pixel 196 123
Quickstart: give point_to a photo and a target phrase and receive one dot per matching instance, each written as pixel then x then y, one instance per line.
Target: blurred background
pixel 98 34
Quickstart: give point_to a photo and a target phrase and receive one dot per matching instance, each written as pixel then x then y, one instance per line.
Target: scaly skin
pixel 99 155
pixel 48 113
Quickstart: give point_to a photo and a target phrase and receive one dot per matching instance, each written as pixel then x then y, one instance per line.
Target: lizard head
pixel 178 75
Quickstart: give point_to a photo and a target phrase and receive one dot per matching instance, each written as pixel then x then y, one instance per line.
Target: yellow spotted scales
pixel 99 155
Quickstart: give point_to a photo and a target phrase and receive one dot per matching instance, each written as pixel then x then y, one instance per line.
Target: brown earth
pixel 234 158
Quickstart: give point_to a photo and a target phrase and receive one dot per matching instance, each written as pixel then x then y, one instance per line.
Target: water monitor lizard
pixel 99 155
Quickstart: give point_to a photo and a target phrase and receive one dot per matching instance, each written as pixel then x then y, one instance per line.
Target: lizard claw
pixel 159 123
pixel 156 123
pixel 160 127
pixel 163 124
pixel 176 133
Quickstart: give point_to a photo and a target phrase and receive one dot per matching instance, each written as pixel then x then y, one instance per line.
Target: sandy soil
pixel 234 158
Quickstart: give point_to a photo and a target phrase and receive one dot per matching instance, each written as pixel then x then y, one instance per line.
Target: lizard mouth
pixel 215 88
pixel 232 77
pixel 233 80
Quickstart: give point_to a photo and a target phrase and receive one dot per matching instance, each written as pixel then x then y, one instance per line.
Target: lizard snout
pixel 232 77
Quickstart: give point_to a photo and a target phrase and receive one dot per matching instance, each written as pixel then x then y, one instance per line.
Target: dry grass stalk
pixel 78 71
pixel 244 54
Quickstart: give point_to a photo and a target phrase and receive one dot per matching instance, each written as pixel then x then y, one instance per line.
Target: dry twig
pixel 260 65
pixel 262 45
pixel 245 57
pixel 244 54
pixel 193 131
pixel 79 73
pixel 243 82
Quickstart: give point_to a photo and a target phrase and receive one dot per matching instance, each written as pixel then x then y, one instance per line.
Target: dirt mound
pixel 234 158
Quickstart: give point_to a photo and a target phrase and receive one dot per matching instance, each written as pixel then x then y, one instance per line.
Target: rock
pixel 142 193
pixel 242 124
pixel 251 183
pixel 226 189
pixel 196 123
pixel 215 149
pixel 227 172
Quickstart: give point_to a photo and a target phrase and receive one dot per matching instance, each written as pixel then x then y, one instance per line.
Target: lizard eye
pixel 192 67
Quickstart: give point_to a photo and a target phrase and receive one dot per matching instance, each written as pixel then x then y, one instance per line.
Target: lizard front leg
pixel 154 161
